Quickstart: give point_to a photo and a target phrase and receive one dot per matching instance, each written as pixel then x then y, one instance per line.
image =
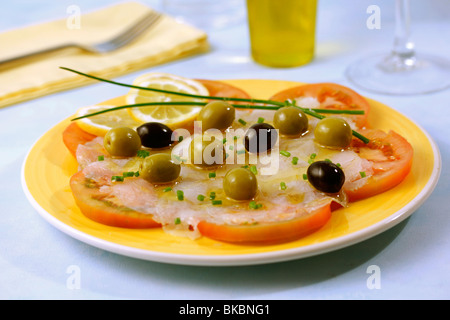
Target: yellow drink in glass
pixel 282 32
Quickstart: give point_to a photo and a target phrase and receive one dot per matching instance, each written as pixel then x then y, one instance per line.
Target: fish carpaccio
pixel 283 193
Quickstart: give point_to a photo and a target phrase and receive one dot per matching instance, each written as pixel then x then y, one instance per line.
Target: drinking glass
pixel 403 71
pixel 282 33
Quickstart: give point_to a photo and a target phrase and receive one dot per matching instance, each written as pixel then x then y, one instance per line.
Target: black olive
pixel 325 176
pixel 155 135
pixel 260 137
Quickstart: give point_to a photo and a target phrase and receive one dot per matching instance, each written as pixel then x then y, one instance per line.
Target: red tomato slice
pixel 222 89
pixel 268 232
pixel 391 155
pixel 73 135
pixel 91 203
pixel 330 96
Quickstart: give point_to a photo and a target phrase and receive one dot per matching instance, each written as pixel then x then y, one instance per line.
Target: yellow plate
pixel 48 167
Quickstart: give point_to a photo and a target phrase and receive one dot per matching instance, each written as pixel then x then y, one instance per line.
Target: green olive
pixel 333 132
pixel 216 115
pixel 122 142
pixel 205 152
pixel 240 184
pixel 159 168
pixel 290 121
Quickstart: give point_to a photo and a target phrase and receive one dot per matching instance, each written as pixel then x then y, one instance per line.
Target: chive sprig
pixel 253 103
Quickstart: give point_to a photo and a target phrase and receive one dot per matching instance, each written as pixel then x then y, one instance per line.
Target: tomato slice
pixel 222 89
pixel 73 136
pixel 329 96
pixel 391 156
pixel 92 204
pixel 268 232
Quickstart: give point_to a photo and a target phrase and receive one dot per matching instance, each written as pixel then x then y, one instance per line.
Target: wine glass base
pixel 390 74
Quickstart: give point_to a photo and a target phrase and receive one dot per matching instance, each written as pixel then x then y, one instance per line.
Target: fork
pixel 107 46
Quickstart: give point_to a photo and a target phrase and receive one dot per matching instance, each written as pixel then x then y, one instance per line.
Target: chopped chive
pixel 254 169
pixel 143 153
pixel 312 156
pixel 101 158
pixel 245 167
pixel 177 220
pixel 294 160
pixel 167 189
pixel 180 138
pixel 227 155
pixel 310 161
pixel 136 174
pixel 201 197
pixel 240 151
pixel 363 174
pixel 224 140
pixel 212 195
pixel 283 186
pixel 260 120
pixel 285 153
pixel 241 121
pixel 216 202
pixel 254 205
pixel 235 137
pixel 117 178
pixel 212 175
pixel 128 174
pixel 327 160
pixel 338 164
pixel 231 147
pixel 305 176
pixel 180 195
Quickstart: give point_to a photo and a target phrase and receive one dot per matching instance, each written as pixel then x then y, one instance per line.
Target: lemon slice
pixel 174 116
pixel 100 124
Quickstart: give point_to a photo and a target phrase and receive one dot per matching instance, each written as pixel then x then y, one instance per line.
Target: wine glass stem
pixel 403 46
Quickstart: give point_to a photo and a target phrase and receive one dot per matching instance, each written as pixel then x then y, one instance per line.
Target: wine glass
pixel 403 71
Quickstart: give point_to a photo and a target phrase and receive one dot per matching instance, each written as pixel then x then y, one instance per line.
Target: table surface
pixel 413 257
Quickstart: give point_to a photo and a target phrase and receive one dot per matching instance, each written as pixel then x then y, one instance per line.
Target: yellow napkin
pixel 35 77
